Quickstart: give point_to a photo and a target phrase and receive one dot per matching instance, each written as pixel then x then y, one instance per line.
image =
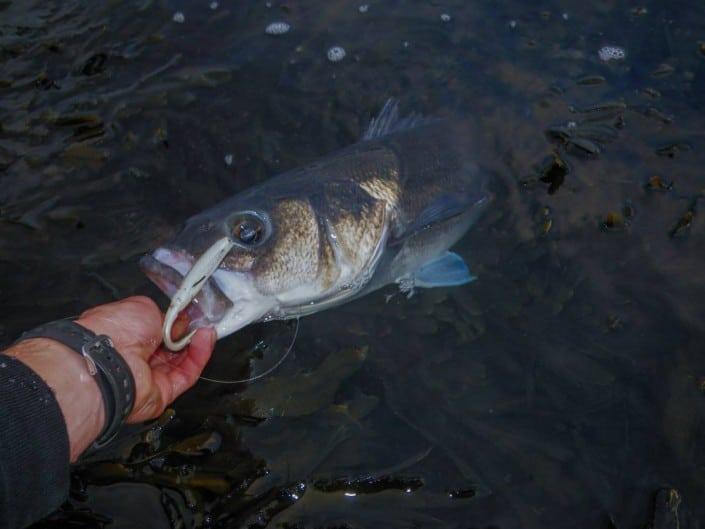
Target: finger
pixel 165 360
pixel 134 324
pixel 176 379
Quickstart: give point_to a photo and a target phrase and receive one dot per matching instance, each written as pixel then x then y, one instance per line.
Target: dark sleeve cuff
pixel 34 447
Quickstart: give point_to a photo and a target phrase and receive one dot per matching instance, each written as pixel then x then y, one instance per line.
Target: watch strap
pixel 105 364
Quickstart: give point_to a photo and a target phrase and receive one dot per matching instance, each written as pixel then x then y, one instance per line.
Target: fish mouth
pixel 167 268
pixel 210 296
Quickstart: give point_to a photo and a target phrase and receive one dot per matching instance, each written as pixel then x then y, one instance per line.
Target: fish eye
pixel 248 231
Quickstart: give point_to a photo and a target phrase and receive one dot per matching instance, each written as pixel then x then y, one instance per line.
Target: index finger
pixel 134 324
pixel 177 372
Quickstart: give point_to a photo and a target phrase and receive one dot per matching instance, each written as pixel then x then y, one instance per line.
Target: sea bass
pixel 383 210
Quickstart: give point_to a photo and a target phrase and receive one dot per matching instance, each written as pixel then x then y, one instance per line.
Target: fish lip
pixel 208 308
pixel 166 277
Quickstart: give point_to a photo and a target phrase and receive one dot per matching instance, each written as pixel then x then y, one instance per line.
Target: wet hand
pixel 135 326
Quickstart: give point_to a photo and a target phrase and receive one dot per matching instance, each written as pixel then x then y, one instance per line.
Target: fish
pixel 384 210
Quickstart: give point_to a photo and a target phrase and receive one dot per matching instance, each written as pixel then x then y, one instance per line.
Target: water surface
pixel 563 388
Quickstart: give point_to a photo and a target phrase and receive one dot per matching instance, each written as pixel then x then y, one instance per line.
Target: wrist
pixel 76 391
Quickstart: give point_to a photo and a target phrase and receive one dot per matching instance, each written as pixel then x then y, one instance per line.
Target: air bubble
pixel 612 53
pixel 178 17
pixel 336 54
pixel 277 28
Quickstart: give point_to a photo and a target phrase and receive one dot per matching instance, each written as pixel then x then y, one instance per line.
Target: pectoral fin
pixel 442 209
pixel 448 270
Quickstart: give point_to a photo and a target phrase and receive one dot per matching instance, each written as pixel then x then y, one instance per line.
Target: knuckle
pixel 145 301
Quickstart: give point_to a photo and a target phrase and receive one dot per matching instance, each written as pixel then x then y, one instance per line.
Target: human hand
pixel 135 326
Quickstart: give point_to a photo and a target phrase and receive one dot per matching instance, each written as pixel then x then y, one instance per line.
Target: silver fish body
pixel 377 212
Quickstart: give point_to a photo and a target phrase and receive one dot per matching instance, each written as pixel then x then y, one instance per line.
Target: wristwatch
pixel 104 364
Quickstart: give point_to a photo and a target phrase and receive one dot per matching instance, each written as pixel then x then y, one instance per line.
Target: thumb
pixel 189 367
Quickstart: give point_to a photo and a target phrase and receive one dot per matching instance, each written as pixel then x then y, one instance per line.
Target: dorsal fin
pixel 388 121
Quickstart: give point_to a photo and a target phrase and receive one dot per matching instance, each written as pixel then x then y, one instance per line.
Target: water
pixel 563 388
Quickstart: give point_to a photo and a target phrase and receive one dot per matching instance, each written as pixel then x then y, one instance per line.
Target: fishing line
pixel 245 380
pixel 261 375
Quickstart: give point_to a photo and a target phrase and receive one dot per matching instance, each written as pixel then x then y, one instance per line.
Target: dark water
pixel 564 388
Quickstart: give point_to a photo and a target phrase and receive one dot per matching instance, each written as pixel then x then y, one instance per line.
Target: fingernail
pixel 214 337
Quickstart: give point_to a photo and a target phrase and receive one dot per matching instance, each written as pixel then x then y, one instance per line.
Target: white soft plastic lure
pixel 192 284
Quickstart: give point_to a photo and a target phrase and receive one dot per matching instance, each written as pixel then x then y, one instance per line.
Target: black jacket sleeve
pixel 34 447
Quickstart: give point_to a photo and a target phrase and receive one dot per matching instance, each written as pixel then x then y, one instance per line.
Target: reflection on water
pixel 565 386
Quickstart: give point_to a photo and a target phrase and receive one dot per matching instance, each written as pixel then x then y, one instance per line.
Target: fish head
pixel 271 257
